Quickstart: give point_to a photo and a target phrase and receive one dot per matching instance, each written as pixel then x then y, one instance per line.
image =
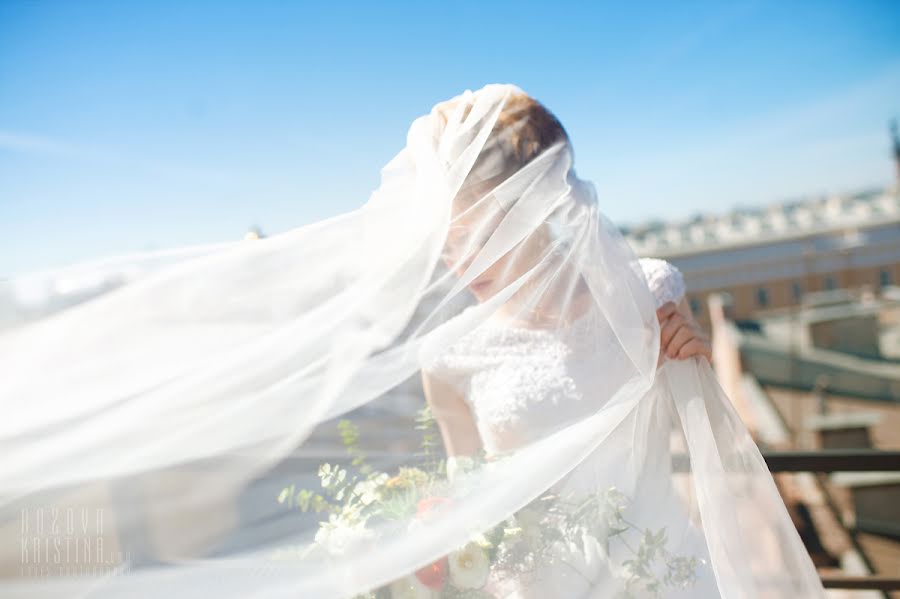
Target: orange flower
pixel 433 575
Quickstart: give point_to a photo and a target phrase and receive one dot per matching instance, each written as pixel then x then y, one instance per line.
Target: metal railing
pixel 833 460
pixel 861 583
pixel 847 460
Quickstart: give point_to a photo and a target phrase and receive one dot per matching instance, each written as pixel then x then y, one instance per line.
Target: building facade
pixel 773 257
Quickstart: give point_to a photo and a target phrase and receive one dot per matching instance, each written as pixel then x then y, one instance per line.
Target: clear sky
pixel 127 126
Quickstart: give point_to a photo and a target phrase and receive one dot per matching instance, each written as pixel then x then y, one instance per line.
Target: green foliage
pixel 654 568
pixel 349 434
pixel 357 498
pixel 303 499
pixel 430 445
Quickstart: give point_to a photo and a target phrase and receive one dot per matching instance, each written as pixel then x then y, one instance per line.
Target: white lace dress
pixel 519 380
pixel 521 384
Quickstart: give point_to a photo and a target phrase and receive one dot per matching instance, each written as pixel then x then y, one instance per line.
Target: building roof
pixel 752 226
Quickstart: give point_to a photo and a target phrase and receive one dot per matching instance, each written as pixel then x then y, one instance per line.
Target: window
pixel 797 291
pixel 884 277
pixel 762 297
pixel 829 283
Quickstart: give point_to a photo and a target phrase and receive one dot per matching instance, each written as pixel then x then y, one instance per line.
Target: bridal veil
pixel 247 419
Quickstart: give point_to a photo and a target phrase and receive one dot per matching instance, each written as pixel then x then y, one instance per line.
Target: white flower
pixel 480 539
pixel 410 587
pixel 469 567
pixel 367 490
pixel 337 536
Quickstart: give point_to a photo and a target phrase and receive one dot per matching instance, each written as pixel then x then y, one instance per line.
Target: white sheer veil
pixel 165 414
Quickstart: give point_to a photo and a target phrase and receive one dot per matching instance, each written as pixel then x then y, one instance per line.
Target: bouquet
pixel 353 500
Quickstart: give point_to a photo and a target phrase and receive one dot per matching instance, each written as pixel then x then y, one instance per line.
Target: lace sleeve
pixel 664 279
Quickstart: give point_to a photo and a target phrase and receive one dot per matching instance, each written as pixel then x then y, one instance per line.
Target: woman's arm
pixel 453 416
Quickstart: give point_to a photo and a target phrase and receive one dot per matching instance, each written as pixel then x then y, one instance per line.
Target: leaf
pixel 325 475
pixel 286 493
pixel 303 499
pixel 320 504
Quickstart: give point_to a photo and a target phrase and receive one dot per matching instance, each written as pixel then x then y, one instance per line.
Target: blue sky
pixel 128 126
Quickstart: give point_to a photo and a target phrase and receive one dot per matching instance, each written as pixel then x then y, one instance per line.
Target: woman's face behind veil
pixel 524 130
pixel 475 217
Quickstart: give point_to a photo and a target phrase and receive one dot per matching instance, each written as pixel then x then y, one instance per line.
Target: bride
pixel 536 130
pixel 181 407
pixel 526 369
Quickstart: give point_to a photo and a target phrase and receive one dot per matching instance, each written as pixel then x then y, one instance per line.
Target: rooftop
pixel 751 226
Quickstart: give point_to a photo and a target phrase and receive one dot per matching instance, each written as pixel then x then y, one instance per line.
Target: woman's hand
pixel 680 335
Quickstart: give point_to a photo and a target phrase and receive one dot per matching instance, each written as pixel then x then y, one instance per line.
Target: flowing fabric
pixel 264 418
